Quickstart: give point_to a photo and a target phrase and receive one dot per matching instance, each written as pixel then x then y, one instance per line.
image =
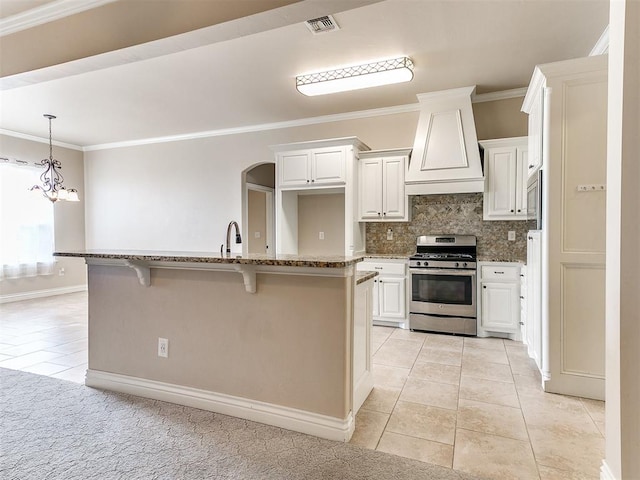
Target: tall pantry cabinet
pixel 567 103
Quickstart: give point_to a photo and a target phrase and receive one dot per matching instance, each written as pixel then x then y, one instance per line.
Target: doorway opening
pixel 258 187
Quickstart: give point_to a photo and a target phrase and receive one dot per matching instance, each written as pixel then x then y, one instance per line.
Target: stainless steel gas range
pixel 443 284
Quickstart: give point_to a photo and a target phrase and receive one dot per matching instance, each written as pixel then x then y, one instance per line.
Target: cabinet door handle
pixel 378 213
pixel 499 273
pixel 519 210
pixel 512 211
pixel 521 297
pixel 531 166
pixel 384 214
pixel 307 181
pixel 484 286
pixel 378 268
pixel 530 238
pixel 313 180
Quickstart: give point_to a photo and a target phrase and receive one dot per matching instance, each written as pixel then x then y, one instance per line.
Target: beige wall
pixel 127 202
pixel 69 218
pixel 500 119
pixel 623 237
pixel 257 217
pixel 321 213
pixel 225 340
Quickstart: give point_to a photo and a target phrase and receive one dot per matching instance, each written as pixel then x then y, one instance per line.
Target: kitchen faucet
pixel 238 237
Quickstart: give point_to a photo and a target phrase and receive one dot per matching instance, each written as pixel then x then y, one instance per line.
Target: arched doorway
pixel 258 188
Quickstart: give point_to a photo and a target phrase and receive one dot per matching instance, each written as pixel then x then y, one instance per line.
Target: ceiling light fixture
pixel 385 72
pixel 51 178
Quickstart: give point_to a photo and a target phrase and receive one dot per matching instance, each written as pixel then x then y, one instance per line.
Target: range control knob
pixel 418 263
pixel 426 264
pixel 464 264
pixel 457 264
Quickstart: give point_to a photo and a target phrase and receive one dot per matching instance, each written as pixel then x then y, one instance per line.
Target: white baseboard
pixel 16 297
pixel 302 421
pixel 605 472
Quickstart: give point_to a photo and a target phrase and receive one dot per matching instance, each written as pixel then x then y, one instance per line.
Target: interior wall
pixel 623 236
pixel 264 175
pixel 68 218
pixel 321 213
pixel 257 218
pixel 500 119
pixel 182 195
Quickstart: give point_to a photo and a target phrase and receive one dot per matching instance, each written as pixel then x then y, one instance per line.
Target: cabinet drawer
pixel 383 268
pixel 500 273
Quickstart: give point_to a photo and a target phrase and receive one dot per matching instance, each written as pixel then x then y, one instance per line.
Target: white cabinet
pixel 328 171
pixel 389 291
pixel 312 167
pixel 362 371
pixel 381 194
pixel 567 103
pixel 535 133
pixel 499 300
pixel 505 193
pixel 533 319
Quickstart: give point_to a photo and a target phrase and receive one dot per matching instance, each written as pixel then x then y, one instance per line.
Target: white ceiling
pixel 250 80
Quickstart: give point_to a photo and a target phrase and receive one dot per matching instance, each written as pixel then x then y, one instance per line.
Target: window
pixel 26 223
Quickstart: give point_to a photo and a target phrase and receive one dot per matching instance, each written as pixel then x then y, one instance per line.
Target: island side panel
pixel 287 344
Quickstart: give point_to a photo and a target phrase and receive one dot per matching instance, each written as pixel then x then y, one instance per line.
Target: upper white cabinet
pixel 312 167
pixel 326 224
pixel 505 194
pixel 536 111
pixel 381 194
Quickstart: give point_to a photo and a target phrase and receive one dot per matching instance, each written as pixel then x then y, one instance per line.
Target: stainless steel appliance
pixel 534 199
pixel 443 284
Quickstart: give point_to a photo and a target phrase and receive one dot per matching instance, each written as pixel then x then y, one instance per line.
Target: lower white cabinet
pixel 389 296
pixel 362 372
pixel 533 323
pixel 499 299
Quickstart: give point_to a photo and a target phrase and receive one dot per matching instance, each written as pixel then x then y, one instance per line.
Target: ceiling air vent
pixel 322 24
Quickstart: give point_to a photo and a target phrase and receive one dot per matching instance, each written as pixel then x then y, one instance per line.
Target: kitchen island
pixel 282 340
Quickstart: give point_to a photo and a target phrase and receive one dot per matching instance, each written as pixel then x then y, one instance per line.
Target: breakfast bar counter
pixel 282 340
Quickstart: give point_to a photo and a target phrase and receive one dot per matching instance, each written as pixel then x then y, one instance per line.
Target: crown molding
pixel 46 13
pixel 33 138
pixel 502 95
pixel 602 45
pixel 261 127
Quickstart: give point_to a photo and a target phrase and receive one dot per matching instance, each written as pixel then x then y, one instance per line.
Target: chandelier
pixel 51 178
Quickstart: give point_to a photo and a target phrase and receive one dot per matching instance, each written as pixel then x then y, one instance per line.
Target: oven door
pixel 443 292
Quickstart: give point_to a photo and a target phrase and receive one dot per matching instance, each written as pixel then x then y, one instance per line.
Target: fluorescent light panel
pixel 385 72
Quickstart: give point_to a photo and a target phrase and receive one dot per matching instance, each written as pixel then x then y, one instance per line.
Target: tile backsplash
pixel 459 214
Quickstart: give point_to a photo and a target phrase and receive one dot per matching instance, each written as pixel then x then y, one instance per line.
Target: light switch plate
pixel 511 236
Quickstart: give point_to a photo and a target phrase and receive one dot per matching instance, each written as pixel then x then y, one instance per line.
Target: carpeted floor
pixel 54 429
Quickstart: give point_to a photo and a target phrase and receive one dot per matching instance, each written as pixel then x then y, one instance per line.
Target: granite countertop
pixel 388 256
pixel 330 261
pixel 500 260
pixel 363 276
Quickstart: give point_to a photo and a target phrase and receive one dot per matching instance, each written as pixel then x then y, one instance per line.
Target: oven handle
pixel 447 271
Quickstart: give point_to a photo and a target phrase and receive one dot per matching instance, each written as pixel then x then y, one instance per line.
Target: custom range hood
pixel 446 157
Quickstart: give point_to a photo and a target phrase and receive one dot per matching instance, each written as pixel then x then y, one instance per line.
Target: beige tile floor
pixel 47 336
pixel 470 404
pixel 476 405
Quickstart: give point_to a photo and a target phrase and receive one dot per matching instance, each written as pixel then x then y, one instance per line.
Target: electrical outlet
pixel 389 234
pixel 163 347
pixel 511 236
pixel 61 272
pixel 321 235
pixel 256 235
